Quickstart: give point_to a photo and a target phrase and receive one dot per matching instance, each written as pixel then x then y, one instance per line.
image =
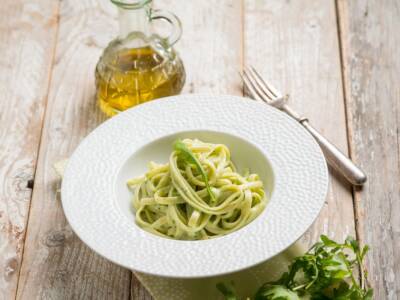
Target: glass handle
pixel 176 33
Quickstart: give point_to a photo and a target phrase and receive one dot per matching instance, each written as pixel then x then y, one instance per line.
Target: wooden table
pixel 340 62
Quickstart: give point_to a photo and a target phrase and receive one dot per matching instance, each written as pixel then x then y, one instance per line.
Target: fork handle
pixel 336 158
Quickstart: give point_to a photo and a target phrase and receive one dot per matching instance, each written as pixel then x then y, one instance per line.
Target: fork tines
pixel 258 88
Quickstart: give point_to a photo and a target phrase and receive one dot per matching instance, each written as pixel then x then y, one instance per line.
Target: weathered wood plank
pixel 27 40
pixel 294 44
pixel 370 44
pixel 211 44
pixel 56 264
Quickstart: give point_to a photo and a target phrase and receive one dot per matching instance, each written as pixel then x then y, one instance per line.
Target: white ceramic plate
pixel 96 200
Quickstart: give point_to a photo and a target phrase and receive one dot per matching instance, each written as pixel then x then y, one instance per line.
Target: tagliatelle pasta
pixel 198 194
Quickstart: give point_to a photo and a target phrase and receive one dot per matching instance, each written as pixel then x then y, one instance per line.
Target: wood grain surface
pixel 294 45
pixel 371 57
pixel 56 264
pixel 211 44
pixel 27 40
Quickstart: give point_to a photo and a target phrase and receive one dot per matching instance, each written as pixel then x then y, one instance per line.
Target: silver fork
pixel 258 89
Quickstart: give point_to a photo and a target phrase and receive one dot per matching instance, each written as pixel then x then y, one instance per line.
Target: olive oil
pixel 128 77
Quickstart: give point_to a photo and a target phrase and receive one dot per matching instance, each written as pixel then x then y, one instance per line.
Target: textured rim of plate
pixel 301 184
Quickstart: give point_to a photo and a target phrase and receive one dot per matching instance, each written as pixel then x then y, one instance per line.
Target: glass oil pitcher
pixel 138 65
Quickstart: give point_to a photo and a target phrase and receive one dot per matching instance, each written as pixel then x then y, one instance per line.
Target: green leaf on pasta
pixel 188 156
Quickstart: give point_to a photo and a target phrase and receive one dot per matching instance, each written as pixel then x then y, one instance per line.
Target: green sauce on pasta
pixel 197 195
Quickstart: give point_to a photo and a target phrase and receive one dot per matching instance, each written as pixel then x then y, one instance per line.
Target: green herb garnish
pixel 186 155
pixel 325 272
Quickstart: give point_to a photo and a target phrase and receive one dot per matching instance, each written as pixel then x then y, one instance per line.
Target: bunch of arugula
pixel 324 272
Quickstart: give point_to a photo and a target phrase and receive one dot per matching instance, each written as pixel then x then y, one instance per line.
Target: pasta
pixel 197 195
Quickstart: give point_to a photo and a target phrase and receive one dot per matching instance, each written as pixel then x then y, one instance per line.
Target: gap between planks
pixel 339 20
pixel 50 73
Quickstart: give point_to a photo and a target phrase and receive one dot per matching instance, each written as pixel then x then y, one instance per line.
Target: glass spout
pixel 134 18
pixel 133 21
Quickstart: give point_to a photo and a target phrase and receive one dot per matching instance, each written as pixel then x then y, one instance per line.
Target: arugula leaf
pixel 325 272
pixel 188 156
pixel 275 292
